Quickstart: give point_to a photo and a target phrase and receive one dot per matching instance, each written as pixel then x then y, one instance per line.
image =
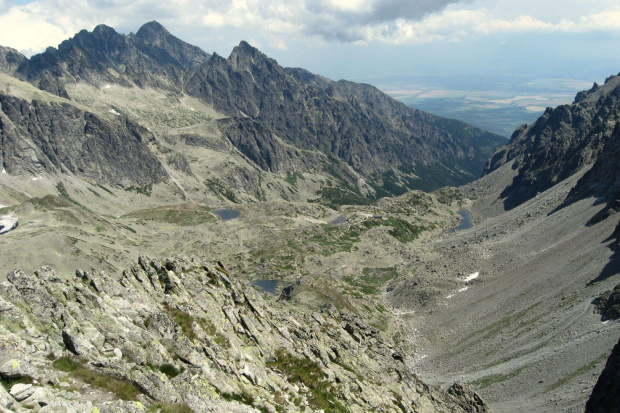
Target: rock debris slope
pixel 183 334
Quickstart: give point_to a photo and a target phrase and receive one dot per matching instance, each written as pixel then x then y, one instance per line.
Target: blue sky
pixel 513 47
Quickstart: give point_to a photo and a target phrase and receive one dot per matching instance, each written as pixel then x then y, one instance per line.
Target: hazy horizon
pixel 469 55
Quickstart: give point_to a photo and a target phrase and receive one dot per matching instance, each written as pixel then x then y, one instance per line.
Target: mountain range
pixel 279 121
pixel 343 202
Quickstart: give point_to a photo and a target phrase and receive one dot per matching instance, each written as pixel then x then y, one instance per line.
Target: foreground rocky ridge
pixel 181 333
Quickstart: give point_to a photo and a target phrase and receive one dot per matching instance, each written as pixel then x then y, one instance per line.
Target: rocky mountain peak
pixel 103 30
pixel 10 59
pixel 152 29
pixel 102 46
pixel 244 56
pixel 269 108
pixel 155 41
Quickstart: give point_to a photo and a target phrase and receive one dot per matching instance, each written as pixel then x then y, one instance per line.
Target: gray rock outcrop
pixel 608 304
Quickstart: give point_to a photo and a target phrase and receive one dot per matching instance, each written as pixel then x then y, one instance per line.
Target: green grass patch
pixel 332 239
pixel 123 389
pixel 260 192
pixel 62 191
pixel 144 190
pixel 184 215
pixel 169 370
pixel 447 195
pixel 335 196
pixel 106 189
pixel 65 363
pixel 497 378
pixel 291 178
pixel 578 372
pixel 184 320
pixel 303 370
pixel 170 408
pixel 8 383
pixel 210 329
pixel 391 183
pixel 221 190
pixel 49 202
pixel 402 230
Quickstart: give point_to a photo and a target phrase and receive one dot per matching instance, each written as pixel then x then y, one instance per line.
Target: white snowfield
pixel 472 277
pixel 466 279
pixel 7 223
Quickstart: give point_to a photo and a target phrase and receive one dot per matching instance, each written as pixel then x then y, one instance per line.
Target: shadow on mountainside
pixel 613 266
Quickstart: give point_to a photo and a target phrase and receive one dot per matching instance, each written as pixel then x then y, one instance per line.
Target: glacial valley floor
pixel 523 333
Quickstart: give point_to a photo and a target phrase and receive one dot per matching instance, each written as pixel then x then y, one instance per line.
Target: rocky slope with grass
pixel 183 335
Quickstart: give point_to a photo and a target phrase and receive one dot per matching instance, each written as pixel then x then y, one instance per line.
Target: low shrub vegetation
pixel 305 371
pixel 123 389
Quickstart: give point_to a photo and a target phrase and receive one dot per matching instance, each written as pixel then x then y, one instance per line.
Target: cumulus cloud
pixel 33 26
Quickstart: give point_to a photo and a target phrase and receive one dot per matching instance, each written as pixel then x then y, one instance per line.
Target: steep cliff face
pixel 184 334
pixel 38 136
pixel 561 142
pixel 605 397
pixel 602 180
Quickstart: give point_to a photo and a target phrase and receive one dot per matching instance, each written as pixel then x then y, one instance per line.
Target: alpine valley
pixel 184 232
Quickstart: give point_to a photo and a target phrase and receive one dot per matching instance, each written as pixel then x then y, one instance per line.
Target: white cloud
pixel 355 6
pixel 24 30
pixel 36 25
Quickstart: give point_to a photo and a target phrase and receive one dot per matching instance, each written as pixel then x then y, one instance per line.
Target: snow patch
pixel 36 178
pixel 399 313
pixel 3 170
pixel 450 296
pixel 107 86
pixel 606 321
pixel 463 289
pixel 472 276
pixel 112 111
pixel 7 223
